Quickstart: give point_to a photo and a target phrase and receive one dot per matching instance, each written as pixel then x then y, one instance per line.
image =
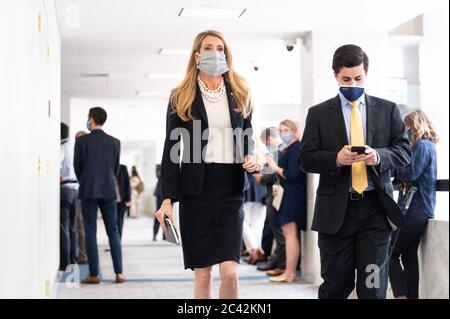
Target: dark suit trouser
pixel 121 210
pixel 279 257
pixel 108 209
pixel 267 237
pixel 67 228
pixel 405 279
pixel 362 244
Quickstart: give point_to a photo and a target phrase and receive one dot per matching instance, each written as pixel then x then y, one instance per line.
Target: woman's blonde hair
pixel 183 96
pixel 421 127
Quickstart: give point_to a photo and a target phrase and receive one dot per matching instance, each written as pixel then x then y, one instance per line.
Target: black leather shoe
pixel 266 266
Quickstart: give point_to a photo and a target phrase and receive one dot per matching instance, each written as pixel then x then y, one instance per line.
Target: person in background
pixel 69 193
pixel 82 254
pixel 293 204
pixel 276 264
pixel 157 194
pixel 97 162
pixel 254 216
pixel 421 173
pixel 136 188
pixel 123 196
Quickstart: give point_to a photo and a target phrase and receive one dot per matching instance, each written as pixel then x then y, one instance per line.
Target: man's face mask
pixel 352 93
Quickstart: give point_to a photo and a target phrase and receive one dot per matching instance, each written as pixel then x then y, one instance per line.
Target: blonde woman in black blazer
pixel 210 112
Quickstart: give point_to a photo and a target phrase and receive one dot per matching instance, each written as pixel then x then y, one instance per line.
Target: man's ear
pixel 336 76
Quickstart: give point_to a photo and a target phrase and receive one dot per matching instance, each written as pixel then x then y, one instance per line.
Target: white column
pixel 434 81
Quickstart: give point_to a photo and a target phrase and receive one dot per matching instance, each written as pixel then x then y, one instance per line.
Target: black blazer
pixel 187 179
pixel 123 181
pixel 96 163
pixel 325 135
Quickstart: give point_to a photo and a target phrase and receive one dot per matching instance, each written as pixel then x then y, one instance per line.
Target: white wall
pixel 29 171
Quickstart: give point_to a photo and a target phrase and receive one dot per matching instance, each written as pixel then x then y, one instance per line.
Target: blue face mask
pixel 287 137
pixel 410 136
pixel 270 149
pixel 213 63
pixel 352 93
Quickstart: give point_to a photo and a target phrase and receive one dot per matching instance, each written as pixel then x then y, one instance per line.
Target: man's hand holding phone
pixel 352 154
pixel 346 157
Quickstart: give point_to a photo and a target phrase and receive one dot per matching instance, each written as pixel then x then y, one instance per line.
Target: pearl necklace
pixel 213 96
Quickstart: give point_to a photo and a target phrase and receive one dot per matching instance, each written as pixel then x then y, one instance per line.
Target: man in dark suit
pixel 123 196
pixel 354 210
pixel 96 165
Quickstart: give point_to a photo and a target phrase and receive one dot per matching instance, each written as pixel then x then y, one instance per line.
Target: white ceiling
pixel 123 37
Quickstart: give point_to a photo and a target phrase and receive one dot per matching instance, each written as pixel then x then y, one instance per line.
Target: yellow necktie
pixel 359 173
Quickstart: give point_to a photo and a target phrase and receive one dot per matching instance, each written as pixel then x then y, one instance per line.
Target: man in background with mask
pixel 353 141
pixel 96 163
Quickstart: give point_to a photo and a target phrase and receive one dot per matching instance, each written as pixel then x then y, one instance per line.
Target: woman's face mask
pixel 213 63
pixel 410 135
pixel 287 137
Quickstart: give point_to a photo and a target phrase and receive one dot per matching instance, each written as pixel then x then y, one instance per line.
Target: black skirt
pixel 211 224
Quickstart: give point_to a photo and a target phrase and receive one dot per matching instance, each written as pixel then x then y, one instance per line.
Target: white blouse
pixel 220 147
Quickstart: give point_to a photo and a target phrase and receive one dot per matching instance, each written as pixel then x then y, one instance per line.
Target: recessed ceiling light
pixel 95 75
pixel 225 13
pixel 174 52
pixel 164 76
pixel 155 93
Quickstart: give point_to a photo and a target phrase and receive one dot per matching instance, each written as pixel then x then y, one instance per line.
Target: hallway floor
pixel 155 270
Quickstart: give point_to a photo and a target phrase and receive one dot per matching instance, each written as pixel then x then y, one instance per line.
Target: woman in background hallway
pixel 212 101
pixel 422 173
pixel 136 188
pixel 293 204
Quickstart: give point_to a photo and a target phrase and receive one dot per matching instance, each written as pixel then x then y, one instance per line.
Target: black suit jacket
pixel 187 179
pixel 325 135
pixel 96 163
pixel 123 181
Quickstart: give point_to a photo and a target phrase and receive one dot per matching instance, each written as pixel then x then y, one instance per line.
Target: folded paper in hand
pixel 278 197
pixel 171 233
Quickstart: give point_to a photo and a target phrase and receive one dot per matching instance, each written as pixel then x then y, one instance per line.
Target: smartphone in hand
pixel 358 149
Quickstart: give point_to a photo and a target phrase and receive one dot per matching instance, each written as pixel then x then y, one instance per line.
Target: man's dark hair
pixel 99 115
pixel 64 131
pixel 349 56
